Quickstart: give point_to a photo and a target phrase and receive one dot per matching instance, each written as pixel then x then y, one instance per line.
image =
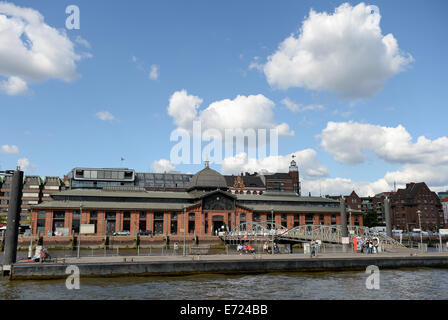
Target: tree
pixel 371 219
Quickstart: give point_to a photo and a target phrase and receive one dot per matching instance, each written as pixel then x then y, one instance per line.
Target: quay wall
pixel 57 271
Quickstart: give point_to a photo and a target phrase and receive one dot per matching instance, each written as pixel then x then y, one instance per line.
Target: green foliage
pixel 371 218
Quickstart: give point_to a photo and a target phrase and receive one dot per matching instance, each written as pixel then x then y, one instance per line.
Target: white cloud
pixel 14 86
pixel 344 186
pixel 348 142
pixel 423 161
pixel 344 52
pixel 105 116
pixel 309 165
pixel 31 50
pixel 298 108
pixel 9 149
pixel 183 109
pixel 25 164
pixel 256 65
pixel 80 40
pixel 162 166
pixel 243 112
pixel 154 72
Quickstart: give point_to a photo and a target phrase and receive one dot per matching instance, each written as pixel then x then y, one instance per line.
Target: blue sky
pixel 207 48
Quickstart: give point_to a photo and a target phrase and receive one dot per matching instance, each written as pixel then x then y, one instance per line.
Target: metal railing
pixel 325 233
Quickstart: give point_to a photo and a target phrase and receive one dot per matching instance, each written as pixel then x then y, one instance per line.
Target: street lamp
pixel 185 222
pixel 272 230
pixel 350 218
pixel 420 224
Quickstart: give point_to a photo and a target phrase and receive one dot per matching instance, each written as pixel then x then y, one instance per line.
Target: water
pixel 425 284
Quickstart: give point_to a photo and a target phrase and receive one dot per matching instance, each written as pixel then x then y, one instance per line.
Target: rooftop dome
pixel 207 179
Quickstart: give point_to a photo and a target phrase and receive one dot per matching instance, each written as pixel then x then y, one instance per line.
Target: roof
pixel 249 181
pixel 124 194
pixel 207 178
pixel 112 205
pixel 282 197
pixel 292 208
pixel 279 175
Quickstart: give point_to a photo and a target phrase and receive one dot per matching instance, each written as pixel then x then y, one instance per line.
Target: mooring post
pixel 388 217
pixel 344 231
pixel 12 227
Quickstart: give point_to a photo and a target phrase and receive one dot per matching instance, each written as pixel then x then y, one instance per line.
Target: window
pixel 40 226
pixel 333 219
pixel 309 219
pixel 321 219
pixel 173 226
pixel 158 223
pixel 42 214
pixel 284 220
pixel 111 215
pixel 191 222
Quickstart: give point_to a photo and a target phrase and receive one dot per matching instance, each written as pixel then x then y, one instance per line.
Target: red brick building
pixel 408 203
pixel 205 207
pixel 353 204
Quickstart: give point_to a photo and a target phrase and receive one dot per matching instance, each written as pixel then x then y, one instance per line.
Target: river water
pixel 408 284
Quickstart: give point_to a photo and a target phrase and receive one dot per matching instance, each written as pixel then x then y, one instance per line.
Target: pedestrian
pixel 370 247
pixel 313 248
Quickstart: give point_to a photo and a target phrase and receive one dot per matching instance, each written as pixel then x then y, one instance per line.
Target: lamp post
pixel 272 230
pixel 420 224
pixel 79 232
pixel 350 219
pixel 185 222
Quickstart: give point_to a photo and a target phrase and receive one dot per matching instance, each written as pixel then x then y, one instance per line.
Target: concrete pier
pixel 231 264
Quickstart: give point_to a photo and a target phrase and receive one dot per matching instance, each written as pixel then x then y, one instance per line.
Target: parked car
pixel 122 233
pixel 145 233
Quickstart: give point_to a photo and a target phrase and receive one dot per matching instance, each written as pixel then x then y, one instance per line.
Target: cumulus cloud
pixel 25 164
pixel 243 112
pixel 309 165
pixel 14 86
pixel 31 50
pixel 344 52
pixel 80 40
pixel 349 142
pixel 9 149
pixel 344 186
pixel 298 108
pixel 422 161
pixel 154 72
pixel 105 116
pixel 162 166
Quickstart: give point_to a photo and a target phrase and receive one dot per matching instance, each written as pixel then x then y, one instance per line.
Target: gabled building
pixel 245 184
pixel 417 206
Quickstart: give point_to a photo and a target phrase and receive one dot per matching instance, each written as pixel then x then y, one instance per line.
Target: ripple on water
pixel 394 284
